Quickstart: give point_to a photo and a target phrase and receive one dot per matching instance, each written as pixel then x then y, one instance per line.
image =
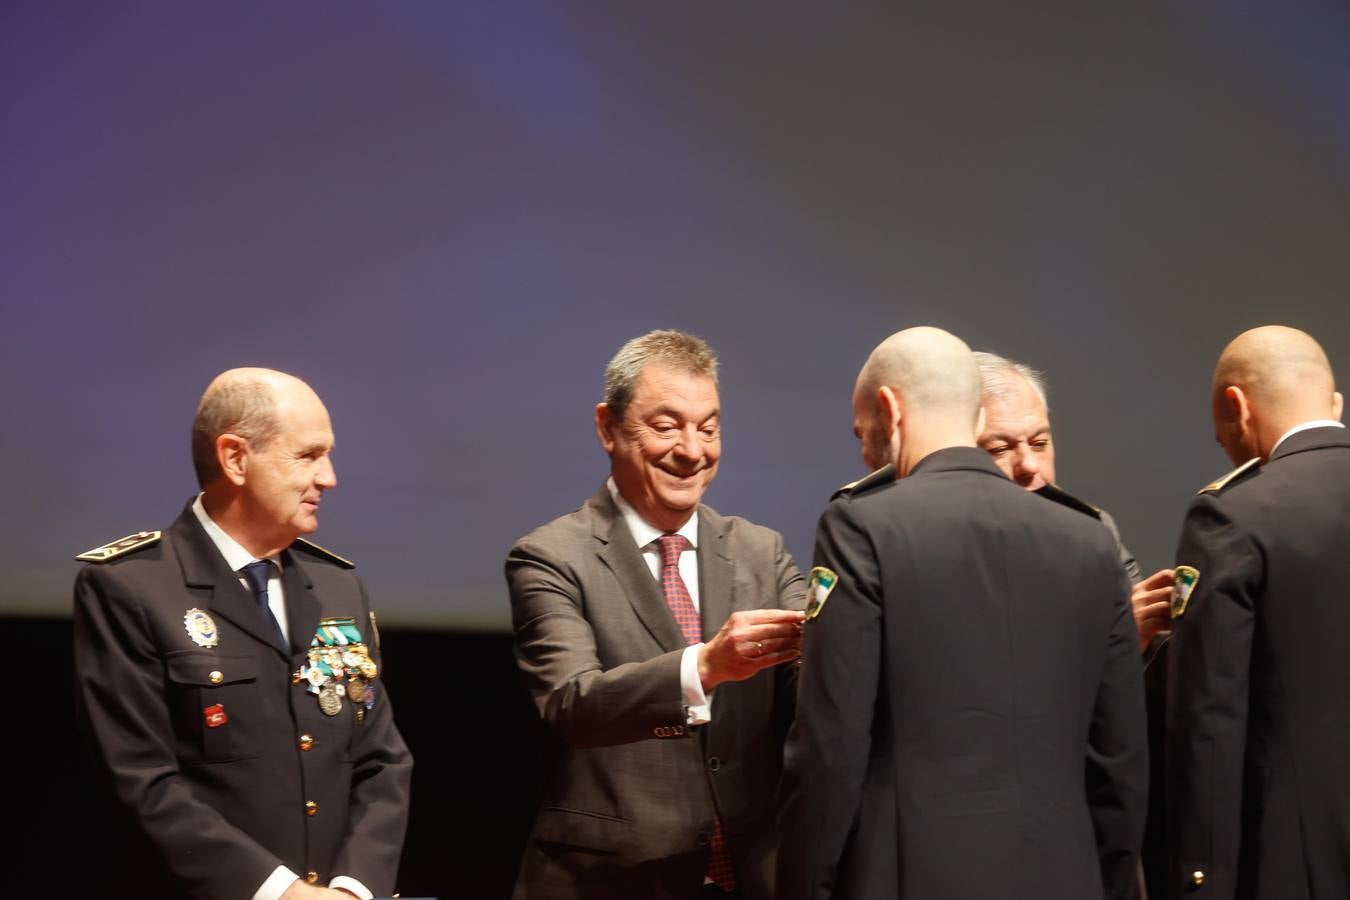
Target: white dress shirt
pixel 697 703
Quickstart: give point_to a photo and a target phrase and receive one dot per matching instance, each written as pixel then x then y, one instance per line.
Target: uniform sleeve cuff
pixel 276 884
pixel 351 885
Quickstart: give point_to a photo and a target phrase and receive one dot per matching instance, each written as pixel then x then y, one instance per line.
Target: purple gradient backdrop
pixel 447 217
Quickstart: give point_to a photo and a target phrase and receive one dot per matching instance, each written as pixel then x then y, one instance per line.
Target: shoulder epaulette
pixel 882 476
pixel 1064 498
pixel 1219 484
pixel 322 553
pixel 120 547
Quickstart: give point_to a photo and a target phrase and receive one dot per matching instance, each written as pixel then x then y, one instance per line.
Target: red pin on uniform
pixel 215 716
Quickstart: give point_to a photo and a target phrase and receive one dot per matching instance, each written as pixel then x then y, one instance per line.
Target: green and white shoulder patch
pixel 819 586
pixel 1184 579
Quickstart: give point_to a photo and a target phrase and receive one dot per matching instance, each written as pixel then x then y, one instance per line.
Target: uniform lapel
pixel 624 559
pixel 302 607
pixel 716 572
pixel 205 569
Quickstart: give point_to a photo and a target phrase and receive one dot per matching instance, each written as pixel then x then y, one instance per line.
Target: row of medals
pixel 335 672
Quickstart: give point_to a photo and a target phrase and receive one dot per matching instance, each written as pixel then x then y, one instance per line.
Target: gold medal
pixel 356 690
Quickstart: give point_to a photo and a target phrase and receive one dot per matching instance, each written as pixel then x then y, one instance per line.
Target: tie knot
pixel 257 573
pixel 672 545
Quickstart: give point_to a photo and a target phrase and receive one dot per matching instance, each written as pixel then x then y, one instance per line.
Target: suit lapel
pixel 302 607
pixel 205 568
pixel 716 573
pixel 624 559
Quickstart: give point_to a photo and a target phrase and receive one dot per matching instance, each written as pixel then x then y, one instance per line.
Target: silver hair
pixel 991 364
pixel 673 349
pixel 244 407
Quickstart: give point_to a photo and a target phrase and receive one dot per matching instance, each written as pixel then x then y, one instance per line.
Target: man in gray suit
pixel 650 632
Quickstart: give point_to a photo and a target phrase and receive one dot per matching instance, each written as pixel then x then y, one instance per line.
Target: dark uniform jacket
pixel 970 718
pixel 1258 738
pixel 212 811
pixel 629 806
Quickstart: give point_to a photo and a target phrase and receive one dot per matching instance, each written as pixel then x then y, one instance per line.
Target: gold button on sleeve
pixel 311 808
pixel 1197 878
pixel 306 741
pixel 215 677
pixel 312 877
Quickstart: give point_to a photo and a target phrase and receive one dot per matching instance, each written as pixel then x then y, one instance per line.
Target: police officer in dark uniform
pixel 227 675
pixel 1258 730
pixel 967 726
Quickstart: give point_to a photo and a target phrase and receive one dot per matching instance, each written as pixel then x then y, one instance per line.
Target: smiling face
pixel 664 451
pixel 1017 433
pixel 285 478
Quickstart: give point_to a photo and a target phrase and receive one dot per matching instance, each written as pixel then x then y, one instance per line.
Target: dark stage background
pixel 447 216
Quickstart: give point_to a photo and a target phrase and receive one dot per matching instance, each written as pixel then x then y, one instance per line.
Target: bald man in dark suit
pixel 238 766
pixel 970 718
pixel 1258 728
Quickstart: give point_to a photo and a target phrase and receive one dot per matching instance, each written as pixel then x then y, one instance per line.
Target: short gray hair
pixel 242 406
pixel 676 350
pixel 991 364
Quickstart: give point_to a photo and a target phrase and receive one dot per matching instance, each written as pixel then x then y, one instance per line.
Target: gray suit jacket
pixel 630 791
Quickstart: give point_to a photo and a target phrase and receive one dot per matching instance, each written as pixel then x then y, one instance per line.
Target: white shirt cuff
pixel 347 883
pixel 276 884
pixel 697 704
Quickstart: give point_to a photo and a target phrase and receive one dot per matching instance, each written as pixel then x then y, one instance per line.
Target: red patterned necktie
pixel 720 870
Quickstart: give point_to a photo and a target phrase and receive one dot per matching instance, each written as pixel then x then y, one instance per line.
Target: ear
pixel 604 426
pixel 1337 404
pixel 1238 405
pixel 232 455
pixel 890 409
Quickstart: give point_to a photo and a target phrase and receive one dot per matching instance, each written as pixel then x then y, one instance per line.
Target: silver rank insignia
pixel 818 590
pixel 201 628
pixel 1184 579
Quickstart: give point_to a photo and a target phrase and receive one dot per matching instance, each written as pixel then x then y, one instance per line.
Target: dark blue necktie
pixel 257 573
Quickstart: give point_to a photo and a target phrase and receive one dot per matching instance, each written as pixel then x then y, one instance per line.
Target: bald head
pixel 1268 380
pixel 919 388
pixel 244 402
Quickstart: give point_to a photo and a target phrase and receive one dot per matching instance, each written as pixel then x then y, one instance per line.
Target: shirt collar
pixel 1315 423
pixel 236 557
pixel 643 533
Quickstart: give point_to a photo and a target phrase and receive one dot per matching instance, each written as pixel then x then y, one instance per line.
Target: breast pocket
pixel 214 701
